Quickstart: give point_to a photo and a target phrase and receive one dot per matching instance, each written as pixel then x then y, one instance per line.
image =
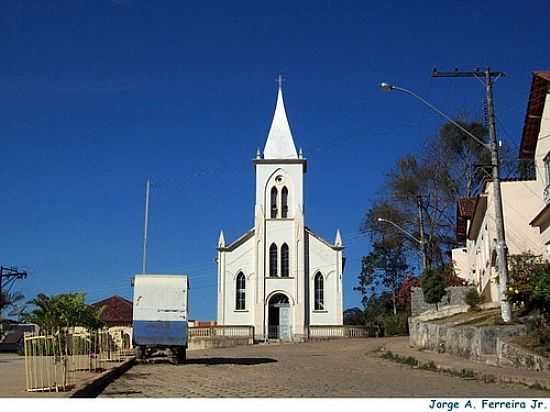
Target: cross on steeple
pixel 280 81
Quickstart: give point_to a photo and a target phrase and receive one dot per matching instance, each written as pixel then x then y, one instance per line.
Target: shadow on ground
pixel 123 393
pixel 228 361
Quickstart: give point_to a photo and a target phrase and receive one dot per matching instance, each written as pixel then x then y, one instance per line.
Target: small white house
pixel 279 276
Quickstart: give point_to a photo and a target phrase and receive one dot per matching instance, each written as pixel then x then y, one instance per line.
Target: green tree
pixel 63 311
pixel 433 284
pixel 385 266
pixel 450 166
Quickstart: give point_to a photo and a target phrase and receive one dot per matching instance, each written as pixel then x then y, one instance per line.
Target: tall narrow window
pixel 273 260
pixel 273 202
pixel 284 261
pixel 240 303
pixel 319 292
pixel 284 201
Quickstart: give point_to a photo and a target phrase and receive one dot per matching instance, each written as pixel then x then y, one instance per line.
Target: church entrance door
pixel 279 317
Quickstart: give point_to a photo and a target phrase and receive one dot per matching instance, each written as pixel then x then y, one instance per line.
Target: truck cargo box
pixel 160 310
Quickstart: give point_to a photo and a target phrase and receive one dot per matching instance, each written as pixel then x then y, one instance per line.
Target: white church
pixel 280 277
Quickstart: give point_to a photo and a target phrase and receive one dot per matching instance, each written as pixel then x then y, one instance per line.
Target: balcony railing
pixel 337 331
pixel 546 193
pixel 227 331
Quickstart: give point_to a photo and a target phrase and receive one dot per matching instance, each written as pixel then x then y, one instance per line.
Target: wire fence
pixel 56 362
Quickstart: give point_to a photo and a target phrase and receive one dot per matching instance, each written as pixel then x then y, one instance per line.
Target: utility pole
pixel 421 230
pixel 502 250
pixel 8 275
pixel 146 226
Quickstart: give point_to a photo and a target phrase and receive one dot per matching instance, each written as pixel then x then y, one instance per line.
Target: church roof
pixel 280 144
pixel 326 242
pixel 237 242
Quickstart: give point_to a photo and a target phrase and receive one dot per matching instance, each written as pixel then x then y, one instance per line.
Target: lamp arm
pixel 435 109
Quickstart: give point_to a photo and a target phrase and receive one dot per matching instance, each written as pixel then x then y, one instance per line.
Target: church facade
pixel 280 277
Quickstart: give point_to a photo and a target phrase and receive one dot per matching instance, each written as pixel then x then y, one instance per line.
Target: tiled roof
pixel 116 310
pixel 465 209
pixel 466 206
pixel 540 86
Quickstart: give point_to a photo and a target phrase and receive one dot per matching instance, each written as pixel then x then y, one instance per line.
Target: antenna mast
pixel 146 226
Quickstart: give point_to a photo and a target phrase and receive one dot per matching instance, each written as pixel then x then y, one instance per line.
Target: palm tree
pixel 10 300
pixel 63 311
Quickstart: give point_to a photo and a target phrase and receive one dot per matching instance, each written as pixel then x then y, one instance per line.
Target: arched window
pixel 273 202
pixel 273 260
pixel 240 295
pixel 284 201
pixel 284 261
pixel 319 292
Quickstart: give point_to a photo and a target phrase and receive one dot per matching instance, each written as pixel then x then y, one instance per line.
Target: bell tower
pixel 279 218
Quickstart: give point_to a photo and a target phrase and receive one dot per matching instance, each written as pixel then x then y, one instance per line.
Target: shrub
pixel 396 324
pixel 472 298
pixel 433 286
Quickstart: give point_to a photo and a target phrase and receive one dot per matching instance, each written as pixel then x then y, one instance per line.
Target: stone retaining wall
pixel 467 341
pixel 454 297
pixel 509 354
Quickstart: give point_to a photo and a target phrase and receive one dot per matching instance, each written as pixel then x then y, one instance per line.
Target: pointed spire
pixel 258 155
pixel 221 240
pixel 338 240
pixel 280 144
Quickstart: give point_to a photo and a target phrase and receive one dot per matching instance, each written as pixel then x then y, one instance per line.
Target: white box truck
pixel 160 316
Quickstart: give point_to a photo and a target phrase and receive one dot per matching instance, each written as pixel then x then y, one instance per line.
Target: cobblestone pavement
pixel 338 368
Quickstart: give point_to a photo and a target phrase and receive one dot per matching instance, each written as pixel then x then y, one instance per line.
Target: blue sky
pixel 96 96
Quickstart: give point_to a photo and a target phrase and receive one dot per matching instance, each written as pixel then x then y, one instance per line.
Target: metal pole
pixel 502 250
pixel 1 296
pixel 421 229
pixel 146 225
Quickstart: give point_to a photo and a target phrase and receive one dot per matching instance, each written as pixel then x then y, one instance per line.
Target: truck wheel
pixel 181 355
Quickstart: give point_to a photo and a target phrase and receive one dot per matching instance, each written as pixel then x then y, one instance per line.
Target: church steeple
pixel 280 144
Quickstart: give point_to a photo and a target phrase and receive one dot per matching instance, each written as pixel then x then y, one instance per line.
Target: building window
pixel 273 202
pixel 273 260
pixel 284 201
pixel 241 292
pixel 319 292
pixel 547 169
pixel 284 261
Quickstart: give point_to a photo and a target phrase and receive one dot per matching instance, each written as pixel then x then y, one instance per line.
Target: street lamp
pixel 410 235
pixel 505 308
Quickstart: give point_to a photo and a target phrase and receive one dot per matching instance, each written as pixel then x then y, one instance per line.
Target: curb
pixel 94 386
pixel 542 382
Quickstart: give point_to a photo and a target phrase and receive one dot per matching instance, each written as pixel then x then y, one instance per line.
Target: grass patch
pixel 431 366
pixel 428 366
pixel 462 373
pixel 489 379
pixel 410 361
pixel 531 343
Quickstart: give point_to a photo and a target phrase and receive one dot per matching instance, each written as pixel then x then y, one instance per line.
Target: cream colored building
pixel 279 276
pixel 477 262
pixel 535 147
pixel 525 204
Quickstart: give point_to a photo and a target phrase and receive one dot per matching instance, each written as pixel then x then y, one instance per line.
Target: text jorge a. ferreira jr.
pixel 489 404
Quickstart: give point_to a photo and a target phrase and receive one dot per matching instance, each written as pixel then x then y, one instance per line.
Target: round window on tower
pixel 279 179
